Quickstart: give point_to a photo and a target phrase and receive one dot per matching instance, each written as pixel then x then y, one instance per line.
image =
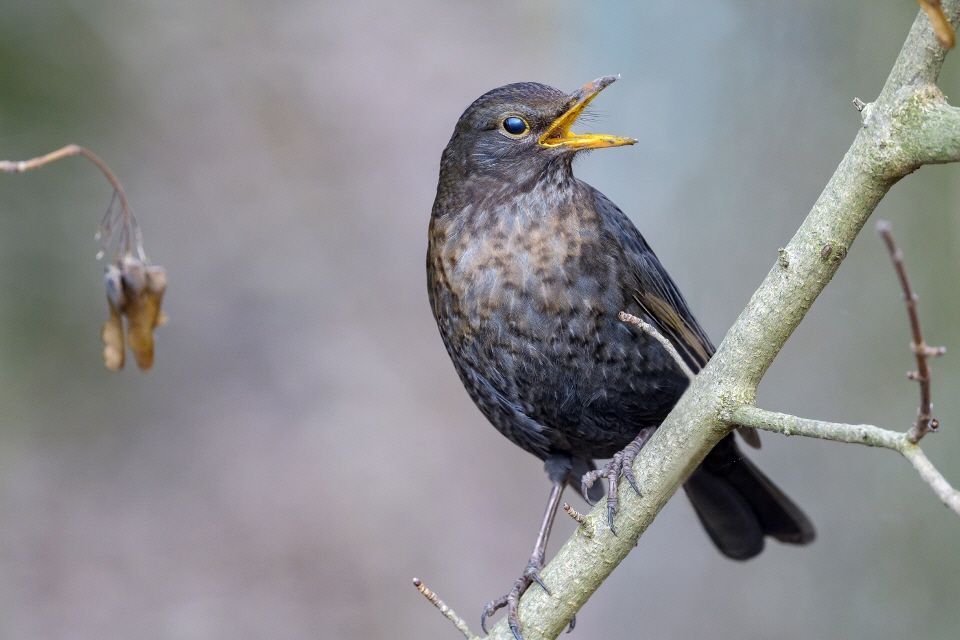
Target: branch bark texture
pixel 910 124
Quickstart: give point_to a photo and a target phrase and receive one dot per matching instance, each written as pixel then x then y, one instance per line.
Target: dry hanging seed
pixel 134 288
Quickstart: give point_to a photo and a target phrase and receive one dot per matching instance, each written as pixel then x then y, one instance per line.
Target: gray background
pixel 303 447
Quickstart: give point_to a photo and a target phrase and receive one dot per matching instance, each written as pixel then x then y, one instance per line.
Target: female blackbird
pixel 527 271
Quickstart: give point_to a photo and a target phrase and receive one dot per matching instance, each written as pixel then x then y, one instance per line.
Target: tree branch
pixel 947 494
pixel 747 415
pixel 908 125
pixel 866 434
pixel 130 231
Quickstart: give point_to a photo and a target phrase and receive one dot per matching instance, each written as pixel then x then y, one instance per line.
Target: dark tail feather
pixel 738 505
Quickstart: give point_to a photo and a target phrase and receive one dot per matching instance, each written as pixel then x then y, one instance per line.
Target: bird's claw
pixel 584 487
pixel 622 462
pixel 490 609
pixel 511 601
pixel 535 576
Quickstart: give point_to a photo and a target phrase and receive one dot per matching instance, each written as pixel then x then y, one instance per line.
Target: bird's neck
pixel 518 190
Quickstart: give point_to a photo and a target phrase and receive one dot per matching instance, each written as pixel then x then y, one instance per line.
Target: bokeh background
pixel 303 447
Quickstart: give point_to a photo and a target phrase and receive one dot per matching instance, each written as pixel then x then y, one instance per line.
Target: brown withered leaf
pixel 144 315
pixel 112 336
pixel 135 291
pixel 938 19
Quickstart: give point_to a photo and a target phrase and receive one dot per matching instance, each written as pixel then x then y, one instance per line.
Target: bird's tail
pixel 738 505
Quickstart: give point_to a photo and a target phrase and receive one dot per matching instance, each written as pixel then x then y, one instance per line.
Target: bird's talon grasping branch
pixel 622 462
pixel 535 576
pixel 632 479
pixel 490 609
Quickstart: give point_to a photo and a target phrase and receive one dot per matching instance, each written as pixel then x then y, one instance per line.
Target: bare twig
pixel 130 237
pixel 447 612
pixel 788 425
pixel 649 329
pixel 947 494
pixel 853 433
pixel 904 443
pixel 573 513
pixel 925 422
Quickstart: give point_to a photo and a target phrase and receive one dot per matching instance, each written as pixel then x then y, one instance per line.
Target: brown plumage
pixel 527 270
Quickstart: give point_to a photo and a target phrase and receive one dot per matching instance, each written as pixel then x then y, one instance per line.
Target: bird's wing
pixel 658 297
pixel 654 291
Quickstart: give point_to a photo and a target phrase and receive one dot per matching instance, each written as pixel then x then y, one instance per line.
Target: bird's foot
pixel 622 462
pixel 530 575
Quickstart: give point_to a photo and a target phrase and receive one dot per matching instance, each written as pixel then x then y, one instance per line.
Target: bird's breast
pixel 529 266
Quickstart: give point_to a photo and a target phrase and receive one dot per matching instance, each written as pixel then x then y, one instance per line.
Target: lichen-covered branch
pixel 947 494
pixel 908 125
pixel 747 415
pixel 751 416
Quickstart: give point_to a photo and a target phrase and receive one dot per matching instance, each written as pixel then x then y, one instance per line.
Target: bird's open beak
pixel 559 134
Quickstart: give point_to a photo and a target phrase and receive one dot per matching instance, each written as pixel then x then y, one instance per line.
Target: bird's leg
pixel 531 573
pixel 622 462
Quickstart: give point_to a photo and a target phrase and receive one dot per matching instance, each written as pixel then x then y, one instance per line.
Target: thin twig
pixel 867 434
pixel 129 226
pixel 947 494
pixel 573 513
pixel 9 166
pixel 925 422
pixel 447 612
pixel 853 433
pixel 649 329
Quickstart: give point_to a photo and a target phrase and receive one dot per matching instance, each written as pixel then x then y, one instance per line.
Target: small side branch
pixel 748 415
pixel 573 513
pixel 21 166
pixel 925 422
pixel 649 329
pixel 937 138
pixel 447 612
pixel 947 494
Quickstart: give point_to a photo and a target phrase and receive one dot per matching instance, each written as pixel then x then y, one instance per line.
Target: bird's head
pixel 517 131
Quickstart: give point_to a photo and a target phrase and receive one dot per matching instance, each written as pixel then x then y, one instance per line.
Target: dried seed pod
pixel 112 336
pixel 113 281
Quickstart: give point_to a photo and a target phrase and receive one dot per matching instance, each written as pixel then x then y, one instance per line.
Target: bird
pixel 528 269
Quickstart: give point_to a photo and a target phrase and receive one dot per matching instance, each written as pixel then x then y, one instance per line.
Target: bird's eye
pixel 515 126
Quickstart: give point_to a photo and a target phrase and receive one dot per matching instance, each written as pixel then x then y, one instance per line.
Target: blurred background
pixel 303 447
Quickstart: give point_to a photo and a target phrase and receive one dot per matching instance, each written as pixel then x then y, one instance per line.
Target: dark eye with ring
pixel 515 126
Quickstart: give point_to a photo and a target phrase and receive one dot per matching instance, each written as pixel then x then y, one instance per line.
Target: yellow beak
pixel 559 134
